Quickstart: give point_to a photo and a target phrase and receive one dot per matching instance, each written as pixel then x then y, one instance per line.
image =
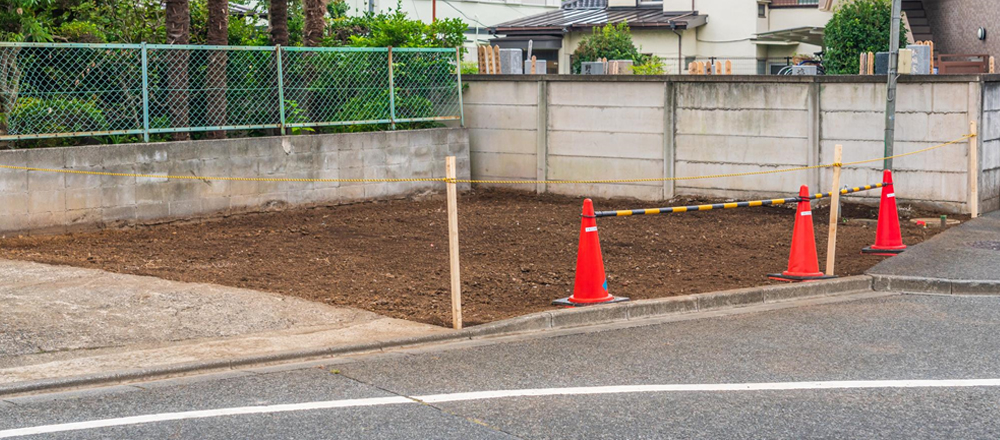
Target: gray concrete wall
pixel 927 114
pixel 727 128
pixel 606 131
pixel 989 148
pixel 56 202
pixel 650 127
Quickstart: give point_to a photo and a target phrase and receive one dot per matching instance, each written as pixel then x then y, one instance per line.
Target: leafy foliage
pixel 81 32
pixel 653 65
pixel 394 28
pixel 613 42
pixel 348 93
pixel 858 26
pixel 76 115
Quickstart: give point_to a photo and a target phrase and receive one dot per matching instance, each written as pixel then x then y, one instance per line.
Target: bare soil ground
pixel 518 252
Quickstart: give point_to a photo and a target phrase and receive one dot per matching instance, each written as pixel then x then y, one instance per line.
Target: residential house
pixel 479 15
pixel 954 25
pixel 757 36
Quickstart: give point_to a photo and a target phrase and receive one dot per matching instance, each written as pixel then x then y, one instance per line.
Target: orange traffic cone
pixel 803 264
pixel 888 239
pixel 591 284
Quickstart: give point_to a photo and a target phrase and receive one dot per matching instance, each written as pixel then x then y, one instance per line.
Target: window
pixel 761 10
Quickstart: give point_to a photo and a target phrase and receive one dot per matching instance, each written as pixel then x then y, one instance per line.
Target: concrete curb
pixel 557 319
pixel 892 283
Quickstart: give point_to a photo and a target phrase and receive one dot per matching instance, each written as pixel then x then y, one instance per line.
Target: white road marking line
pixel 499 394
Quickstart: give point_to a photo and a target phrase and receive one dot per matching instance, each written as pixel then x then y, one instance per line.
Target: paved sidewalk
pixel 58 321
pixel 963 259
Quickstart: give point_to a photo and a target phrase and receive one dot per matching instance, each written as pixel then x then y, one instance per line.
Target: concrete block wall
pixel 927 114
pixel 502 120
pixel 989 148
pixel 45 202
pixel 727 128
pixel 610 130
pixel 620 127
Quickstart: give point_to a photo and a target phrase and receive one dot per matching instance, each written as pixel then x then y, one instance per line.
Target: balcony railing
pixel 794 3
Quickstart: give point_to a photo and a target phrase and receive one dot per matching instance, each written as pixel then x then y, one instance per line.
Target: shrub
pixel 57 115
pixel 394 28
pixel 857 26
pixel 81 32
pixel 652 65
pixel 613 42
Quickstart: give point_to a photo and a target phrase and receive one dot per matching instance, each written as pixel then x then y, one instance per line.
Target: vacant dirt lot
pixel 518 252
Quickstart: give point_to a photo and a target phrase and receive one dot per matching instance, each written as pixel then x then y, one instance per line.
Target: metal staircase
pixel 917 17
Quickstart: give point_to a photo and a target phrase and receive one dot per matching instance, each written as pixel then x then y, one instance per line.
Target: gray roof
pixel 565 19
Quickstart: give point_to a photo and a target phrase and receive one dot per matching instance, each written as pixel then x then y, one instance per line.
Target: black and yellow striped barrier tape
pixel 730 205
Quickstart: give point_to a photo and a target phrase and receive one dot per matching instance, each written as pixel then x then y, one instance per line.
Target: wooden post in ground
pixel 831 243
pixel 973 171
pixel 456 278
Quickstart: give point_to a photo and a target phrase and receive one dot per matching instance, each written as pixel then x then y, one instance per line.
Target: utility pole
pixel 890 95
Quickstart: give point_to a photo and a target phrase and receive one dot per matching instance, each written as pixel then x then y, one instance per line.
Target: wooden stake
pixel 534 67
pixel 456 278
pixel 831 243
pixel 973 171
pixel 729 67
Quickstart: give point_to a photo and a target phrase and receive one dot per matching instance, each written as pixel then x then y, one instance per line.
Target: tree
pixel 218 35
pixel 178 20
pixel 315 23
pixel 19 22
pixel 277 16
pixel 857 26
pixel 613 42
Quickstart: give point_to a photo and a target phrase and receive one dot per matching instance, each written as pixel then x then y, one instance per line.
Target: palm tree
pixel 314 26
pixel 218 35
pixel 277 16
pixel 178 23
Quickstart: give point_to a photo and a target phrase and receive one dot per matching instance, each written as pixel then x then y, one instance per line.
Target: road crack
pixel 472 420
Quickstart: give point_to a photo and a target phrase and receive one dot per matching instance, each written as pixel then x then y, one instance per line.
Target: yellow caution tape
pixel 239 179
pixel 512 182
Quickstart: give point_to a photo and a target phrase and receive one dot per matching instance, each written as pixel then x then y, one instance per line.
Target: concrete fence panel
pixel 615 127
pixel 49 202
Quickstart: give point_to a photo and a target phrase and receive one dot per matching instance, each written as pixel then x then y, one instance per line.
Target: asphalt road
pixel 806 358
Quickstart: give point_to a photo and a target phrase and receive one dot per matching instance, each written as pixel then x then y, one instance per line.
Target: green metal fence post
pixel 458 66
pixel 145 94
pixel 281 91
pixel 392 95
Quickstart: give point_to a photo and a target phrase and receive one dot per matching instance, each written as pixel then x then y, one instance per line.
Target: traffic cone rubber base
pixel 795 278
pixel 872 250
pixel 568 302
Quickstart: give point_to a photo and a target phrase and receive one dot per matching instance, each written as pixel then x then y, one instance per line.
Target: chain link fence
pixel 64 90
